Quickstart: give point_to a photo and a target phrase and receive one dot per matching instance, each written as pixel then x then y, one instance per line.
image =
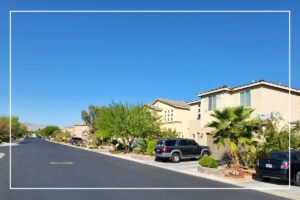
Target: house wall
pixel 264 99
pixel 81 131
pixel 179 121
pixel 195 125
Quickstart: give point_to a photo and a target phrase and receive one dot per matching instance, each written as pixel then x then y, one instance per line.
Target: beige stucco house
pixel 189 119
pixel 264 97
pixel 174 115
pixel 78 130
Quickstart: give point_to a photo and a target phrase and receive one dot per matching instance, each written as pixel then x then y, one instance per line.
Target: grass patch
pixel 115 151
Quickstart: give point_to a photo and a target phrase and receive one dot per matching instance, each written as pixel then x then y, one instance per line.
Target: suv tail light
pixel 164 149
pixel 284 165
pixel 257 162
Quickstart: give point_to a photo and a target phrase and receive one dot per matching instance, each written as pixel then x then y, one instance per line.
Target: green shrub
pixel 66 140
pixel 150 147
pixel 137 150
pixel 142 144
pixel 208 162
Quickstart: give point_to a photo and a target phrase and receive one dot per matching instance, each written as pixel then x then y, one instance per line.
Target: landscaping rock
pixel 211 171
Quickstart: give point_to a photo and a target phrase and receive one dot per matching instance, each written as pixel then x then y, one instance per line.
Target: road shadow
pixel 272 181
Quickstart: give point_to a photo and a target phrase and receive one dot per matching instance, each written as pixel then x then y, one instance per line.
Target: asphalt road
pixel 31 167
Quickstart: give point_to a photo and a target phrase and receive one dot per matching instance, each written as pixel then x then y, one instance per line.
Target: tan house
pixel 264 97
pixel 79 130
pixel 190 118
pixel 174 115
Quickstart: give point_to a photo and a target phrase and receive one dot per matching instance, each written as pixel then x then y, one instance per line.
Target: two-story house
pixel 189 119
pixel 174 115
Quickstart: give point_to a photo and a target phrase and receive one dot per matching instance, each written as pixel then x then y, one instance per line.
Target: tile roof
pixel 153 107
pixel 176 104
pixel 194 101
pixel 263 82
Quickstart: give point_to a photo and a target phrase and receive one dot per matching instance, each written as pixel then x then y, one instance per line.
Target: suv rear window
pixel 279 156
pixel 170 142
pixel 160 143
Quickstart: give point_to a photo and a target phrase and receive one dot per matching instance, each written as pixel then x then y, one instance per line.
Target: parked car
pixel 276 166
pixel 177 149
pixel 75 140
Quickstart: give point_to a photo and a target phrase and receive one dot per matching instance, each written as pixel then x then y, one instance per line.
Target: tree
pixel 233 127
pixel 61 135
pixel 89 116
pixel 127 122
pixel 17 129
pixel 167 133
pixel 277 138
pixel 47 131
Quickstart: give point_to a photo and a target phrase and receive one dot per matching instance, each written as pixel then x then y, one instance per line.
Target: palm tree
pixel 233 127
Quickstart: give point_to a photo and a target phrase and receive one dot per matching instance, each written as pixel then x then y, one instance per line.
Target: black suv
pixel 276 166
pixel 177 149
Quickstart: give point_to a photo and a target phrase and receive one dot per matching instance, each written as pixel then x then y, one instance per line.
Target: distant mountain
pixel 34 127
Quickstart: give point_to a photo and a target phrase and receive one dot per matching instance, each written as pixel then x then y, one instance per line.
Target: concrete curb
pixel 239 184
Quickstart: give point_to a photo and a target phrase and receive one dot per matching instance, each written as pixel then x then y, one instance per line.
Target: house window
pixel 199 116
pixel 245 98
pixel 212 102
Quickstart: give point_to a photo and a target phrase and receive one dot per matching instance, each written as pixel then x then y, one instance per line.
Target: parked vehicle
pixel 178 148
pixel 276 166
pixel 75 140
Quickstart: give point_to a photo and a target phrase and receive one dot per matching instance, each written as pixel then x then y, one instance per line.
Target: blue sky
pixel 63 62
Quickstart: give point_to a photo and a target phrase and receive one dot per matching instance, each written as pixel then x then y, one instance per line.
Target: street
pixel 40 164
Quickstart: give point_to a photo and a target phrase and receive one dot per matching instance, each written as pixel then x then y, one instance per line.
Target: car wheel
pixel 297 181
pixel 157 159
pixel 265 178
pixel 175 158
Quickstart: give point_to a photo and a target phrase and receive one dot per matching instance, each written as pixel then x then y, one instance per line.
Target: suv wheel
pixel 175 158
pixel 297 181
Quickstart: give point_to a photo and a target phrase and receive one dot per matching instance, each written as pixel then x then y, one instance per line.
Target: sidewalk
pixel 17 142
pixel 191 168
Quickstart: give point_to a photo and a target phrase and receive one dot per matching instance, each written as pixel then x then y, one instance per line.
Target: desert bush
pixel 137 150
pixel 209 162
pixel 150 147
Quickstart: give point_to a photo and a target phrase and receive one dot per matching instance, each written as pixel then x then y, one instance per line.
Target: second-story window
pixel 245 98
pixel 212 102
